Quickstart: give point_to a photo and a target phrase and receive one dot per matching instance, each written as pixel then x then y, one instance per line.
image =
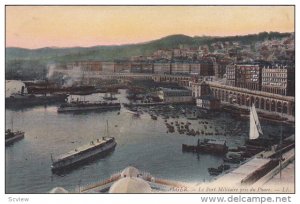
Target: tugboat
pixel 11 137
pixel 84 153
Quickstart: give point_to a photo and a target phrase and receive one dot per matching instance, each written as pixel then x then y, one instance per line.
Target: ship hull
pixel 33 101
pixel 205 149
pixel 91 108
pixel 17 137
pixel 73 162
pixel 44 88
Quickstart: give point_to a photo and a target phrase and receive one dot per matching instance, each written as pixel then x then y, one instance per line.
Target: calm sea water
pixel 142 142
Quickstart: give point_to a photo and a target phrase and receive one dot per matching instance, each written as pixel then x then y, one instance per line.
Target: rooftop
pixel 130 185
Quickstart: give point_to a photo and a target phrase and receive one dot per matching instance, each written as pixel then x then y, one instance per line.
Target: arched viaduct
pixel 262 100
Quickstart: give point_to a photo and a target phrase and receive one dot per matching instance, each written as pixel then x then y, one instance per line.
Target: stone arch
pixel 279 106
pixel 243 99
pixel 226 96
pixel 219 94
pixel 285 108
pixel 268 105
pixel 252 100
pixel 256 102
pixel 238 99
pixel 223 95
pixel 273 105
pixel 248 100
pixel 262 103
pixel 212 91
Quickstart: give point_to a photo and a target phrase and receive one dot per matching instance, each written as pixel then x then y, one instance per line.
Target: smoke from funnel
pixel 68 77
pixel 51 68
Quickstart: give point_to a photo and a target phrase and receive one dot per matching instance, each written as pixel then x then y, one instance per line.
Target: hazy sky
pixel 67 26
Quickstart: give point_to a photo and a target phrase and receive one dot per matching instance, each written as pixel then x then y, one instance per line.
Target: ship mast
pixel 281 132
pixel 107 133
pixel 12 123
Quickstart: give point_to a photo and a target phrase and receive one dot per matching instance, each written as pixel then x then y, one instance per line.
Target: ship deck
pixel 83 148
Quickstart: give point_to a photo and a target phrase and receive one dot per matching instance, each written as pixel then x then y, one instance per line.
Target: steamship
pixel 25 99
pixel 99 147
pixel 77 106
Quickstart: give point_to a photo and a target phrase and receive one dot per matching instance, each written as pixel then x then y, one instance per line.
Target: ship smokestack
pixel 22 90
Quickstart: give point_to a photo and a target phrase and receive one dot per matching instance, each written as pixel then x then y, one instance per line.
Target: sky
pixel 70 26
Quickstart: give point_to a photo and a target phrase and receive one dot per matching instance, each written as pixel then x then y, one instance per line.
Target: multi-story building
pixel 86 65
pixel 180 68
pixel 199 89
pixel 207 67
pixel 248 76
pixel 279 80
pixel 230 74
pixel 163 54
pixel 221 67
pixel 175 95
pixel 195 68
pixel 108 67
pixel 208 102
pixel 162 68
pixel 141 67
pixel 244 75
pixel 122 66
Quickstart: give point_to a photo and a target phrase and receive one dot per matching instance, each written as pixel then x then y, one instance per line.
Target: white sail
pixel 258 126
pixel 255 128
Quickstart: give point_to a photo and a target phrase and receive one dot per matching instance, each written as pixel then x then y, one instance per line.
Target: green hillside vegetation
pixel 32 63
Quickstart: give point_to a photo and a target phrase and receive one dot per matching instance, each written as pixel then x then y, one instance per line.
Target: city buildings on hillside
pixel 278 80
pixel 248 76
pixel 272 79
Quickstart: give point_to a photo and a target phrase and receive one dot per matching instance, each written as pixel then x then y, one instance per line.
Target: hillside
pixel 34 61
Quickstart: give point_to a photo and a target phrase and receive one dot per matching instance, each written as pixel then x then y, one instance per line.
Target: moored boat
pixel 11 137
pixel 24 99
pixel 84 153
pixel 87 106
pixel 207 146
pixel 216 171
pixel 257 141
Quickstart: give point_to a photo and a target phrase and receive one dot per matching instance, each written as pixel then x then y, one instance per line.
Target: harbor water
pixel 141 142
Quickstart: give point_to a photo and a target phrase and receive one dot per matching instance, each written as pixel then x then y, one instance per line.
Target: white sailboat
pixel 255 127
